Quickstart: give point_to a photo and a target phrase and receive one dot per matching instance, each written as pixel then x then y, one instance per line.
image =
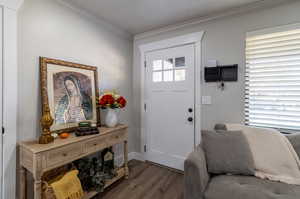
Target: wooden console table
pixel 37 158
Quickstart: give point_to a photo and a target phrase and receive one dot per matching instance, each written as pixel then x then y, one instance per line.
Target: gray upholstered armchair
pixel 199 184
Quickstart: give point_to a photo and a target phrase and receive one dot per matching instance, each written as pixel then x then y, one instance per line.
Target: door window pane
pixel 157 65
pixel 180 75
pixel 168 76
pixel 157 76
pixel 179 61
pixel 168 64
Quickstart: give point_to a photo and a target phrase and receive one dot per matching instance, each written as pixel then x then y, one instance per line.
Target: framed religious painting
pixel 70 90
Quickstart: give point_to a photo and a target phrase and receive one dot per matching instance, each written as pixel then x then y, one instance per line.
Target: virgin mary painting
pixel 73 101
pixel 71 91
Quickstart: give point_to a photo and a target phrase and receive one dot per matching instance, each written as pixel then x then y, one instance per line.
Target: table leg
pixel 22 183
pixel 37 189
pixel 126 159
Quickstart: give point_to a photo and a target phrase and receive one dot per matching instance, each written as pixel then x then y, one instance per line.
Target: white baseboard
pixel 131 156
pixel 136 156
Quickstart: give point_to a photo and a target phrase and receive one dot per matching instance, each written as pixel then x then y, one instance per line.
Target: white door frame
pixel 192 38
pixel 9 96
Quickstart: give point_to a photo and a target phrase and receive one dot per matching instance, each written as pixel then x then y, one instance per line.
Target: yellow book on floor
pixel 68 187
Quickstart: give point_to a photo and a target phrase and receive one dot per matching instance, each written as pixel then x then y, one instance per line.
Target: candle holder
pixel 46 123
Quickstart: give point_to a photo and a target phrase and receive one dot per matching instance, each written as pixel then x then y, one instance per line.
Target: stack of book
pixel 85 128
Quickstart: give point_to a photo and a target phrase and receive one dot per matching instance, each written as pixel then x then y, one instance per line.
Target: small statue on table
pixel 46 123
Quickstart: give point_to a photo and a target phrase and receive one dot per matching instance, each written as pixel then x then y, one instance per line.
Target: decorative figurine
pixel 46 123
pixel 108 159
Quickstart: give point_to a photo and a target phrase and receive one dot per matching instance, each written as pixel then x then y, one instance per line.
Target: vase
pixel 111 117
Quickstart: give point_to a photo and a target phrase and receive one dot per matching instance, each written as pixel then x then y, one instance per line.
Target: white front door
pixel 170 103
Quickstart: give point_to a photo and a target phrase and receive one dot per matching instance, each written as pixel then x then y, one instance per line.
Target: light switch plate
pixel 206 100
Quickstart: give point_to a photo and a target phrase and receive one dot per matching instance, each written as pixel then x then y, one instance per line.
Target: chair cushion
pixel 248 187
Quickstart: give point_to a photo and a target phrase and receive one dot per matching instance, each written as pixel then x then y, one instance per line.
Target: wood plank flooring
pixel 146 181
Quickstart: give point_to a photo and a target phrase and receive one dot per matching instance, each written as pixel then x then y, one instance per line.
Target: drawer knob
pixel 95 144
pixel 64 154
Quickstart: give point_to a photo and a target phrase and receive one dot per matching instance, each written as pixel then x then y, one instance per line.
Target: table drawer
pixel 95 145
pixel 105 141
pixel 63 154
pixel 116 137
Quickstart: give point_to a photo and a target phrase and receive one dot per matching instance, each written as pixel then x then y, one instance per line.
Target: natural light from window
pixel 272 97
pixel 167 71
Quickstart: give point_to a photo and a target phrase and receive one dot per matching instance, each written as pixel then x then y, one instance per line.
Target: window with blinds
pixel 272 96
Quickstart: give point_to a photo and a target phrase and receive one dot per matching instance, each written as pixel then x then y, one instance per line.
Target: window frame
pixel 262 32
pixel 173 69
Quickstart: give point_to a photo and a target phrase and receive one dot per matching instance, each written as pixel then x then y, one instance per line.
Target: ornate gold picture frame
pixel 70 90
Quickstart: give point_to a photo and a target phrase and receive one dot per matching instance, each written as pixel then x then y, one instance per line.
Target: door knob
pixel 190 110
pixel 190 119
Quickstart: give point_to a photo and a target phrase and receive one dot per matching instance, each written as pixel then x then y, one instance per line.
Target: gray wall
pixel 224 41
pixel 51 29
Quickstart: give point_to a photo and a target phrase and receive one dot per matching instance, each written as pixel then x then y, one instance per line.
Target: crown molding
pixel 259 5
pixel 112 28
pixel 12 4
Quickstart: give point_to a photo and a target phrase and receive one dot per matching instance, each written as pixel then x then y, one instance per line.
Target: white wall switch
pixel 206 100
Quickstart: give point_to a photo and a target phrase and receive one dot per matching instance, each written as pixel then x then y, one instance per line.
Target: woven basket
pixel 52 176
pixel 48 192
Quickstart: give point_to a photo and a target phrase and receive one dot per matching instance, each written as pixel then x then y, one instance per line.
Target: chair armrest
pixel 196 176
pixel 295 141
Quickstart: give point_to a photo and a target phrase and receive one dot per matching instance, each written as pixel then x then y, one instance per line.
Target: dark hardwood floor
pixel 146 181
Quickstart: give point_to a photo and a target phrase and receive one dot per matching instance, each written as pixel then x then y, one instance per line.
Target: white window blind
pixel 272 96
